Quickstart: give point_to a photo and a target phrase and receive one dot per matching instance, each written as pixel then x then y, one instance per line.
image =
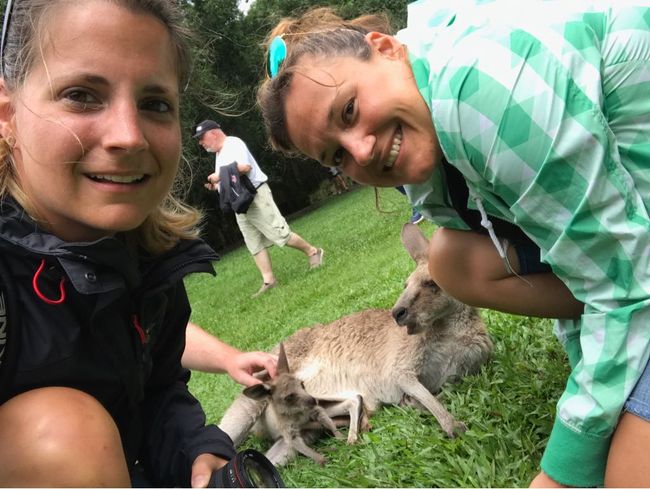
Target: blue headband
pixel 277 54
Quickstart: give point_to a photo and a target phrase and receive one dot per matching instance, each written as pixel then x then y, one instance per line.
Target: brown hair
pixel 171 220
pixel 319 32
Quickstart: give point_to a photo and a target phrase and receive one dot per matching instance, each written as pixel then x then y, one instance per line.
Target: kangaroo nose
pixel 399 314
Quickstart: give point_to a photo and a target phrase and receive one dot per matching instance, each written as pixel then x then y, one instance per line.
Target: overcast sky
pixel 245 4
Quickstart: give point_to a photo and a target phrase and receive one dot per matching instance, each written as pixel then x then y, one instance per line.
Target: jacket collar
pixel 81 260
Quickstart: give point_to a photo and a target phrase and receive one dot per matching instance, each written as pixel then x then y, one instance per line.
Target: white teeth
pixel 118 178
pixel 394 150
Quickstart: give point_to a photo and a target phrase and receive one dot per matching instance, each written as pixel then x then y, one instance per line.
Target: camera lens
pixel 249 468
pixel 258 474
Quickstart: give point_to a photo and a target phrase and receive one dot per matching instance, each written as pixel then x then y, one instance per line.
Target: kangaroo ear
pixel 258 391
pixel 415 242
pixel 283 363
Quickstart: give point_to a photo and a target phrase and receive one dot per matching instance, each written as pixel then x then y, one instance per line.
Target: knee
pixel 59 436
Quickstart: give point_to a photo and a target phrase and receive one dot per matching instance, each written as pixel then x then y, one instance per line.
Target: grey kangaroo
pixel 290 410
pixel 365 357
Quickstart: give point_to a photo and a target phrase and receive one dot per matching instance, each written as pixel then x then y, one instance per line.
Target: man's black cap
pixel 204 127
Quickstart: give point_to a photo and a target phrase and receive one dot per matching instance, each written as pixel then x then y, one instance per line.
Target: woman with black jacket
pixel 94 248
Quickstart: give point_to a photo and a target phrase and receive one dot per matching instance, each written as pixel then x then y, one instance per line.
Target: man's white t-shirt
pixel 234 149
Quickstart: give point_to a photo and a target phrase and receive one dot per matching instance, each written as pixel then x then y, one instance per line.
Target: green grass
pixel 508 407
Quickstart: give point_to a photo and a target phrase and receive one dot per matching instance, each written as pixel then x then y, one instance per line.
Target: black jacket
pixel 118 335
pixel 236 191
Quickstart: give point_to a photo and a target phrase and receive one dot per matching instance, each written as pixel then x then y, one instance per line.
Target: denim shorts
pixel 639 401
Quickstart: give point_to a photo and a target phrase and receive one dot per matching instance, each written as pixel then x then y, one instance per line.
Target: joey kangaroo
pixel 290 410
pixel 366 356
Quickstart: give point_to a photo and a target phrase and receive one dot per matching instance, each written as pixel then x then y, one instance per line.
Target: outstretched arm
pixel 207 353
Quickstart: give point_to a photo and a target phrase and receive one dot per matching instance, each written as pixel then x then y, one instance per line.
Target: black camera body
pixel 249 468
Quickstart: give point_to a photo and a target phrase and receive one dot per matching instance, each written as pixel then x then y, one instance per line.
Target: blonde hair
pixel 321 33
pixel 172 220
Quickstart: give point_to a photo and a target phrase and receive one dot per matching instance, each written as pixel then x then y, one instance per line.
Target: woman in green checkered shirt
pixel 523 130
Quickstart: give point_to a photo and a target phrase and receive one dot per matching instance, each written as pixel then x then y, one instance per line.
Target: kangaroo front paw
pixel 457 428
pixel 338 435
pixel 320 460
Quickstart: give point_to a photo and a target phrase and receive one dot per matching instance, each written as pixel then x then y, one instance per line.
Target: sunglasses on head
pixel 278 49
pixel 277 54
pixel 5 32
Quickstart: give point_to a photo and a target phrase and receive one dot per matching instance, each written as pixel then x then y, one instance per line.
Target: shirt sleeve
pixel 234 150
pixel 553 163
pixel 592 225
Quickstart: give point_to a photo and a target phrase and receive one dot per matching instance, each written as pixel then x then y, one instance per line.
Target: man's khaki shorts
pixel 263 225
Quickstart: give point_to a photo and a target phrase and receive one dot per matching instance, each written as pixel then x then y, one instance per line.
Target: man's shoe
pixel 416 218
pixel 316 260
pixel 265 286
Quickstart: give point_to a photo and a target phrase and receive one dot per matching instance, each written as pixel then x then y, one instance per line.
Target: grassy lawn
pixel 508 407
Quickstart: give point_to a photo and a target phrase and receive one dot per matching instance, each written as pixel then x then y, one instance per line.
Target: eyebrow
pixel 100 80
pixel 159 89
pixel 94 79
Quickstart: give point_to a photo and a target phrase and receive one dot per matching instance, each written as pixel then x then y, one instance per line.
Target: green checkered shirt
pixel 544 107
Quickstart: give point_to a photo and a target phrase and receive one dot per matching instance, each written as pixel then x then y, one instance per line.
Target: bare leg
pixel 467 266
pixel 299 243
pixel 59 437
pixel 628 463
pixel 263 262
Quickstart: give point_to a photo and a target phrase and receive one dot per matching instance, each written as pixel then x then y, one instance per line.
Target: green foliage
pixel 268 12
pixel 508 407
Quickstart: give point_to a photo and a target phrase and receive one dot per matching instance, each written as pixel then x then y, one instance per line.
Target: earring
pixel 10 141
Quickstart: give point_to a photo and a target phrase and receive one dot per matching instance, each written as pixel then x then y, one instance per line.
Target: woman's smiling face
pixel 366 117
pixel 96 122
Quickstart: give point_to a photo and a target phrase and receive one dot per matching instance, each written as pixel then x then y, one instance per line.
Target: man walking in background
pixel 262 225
